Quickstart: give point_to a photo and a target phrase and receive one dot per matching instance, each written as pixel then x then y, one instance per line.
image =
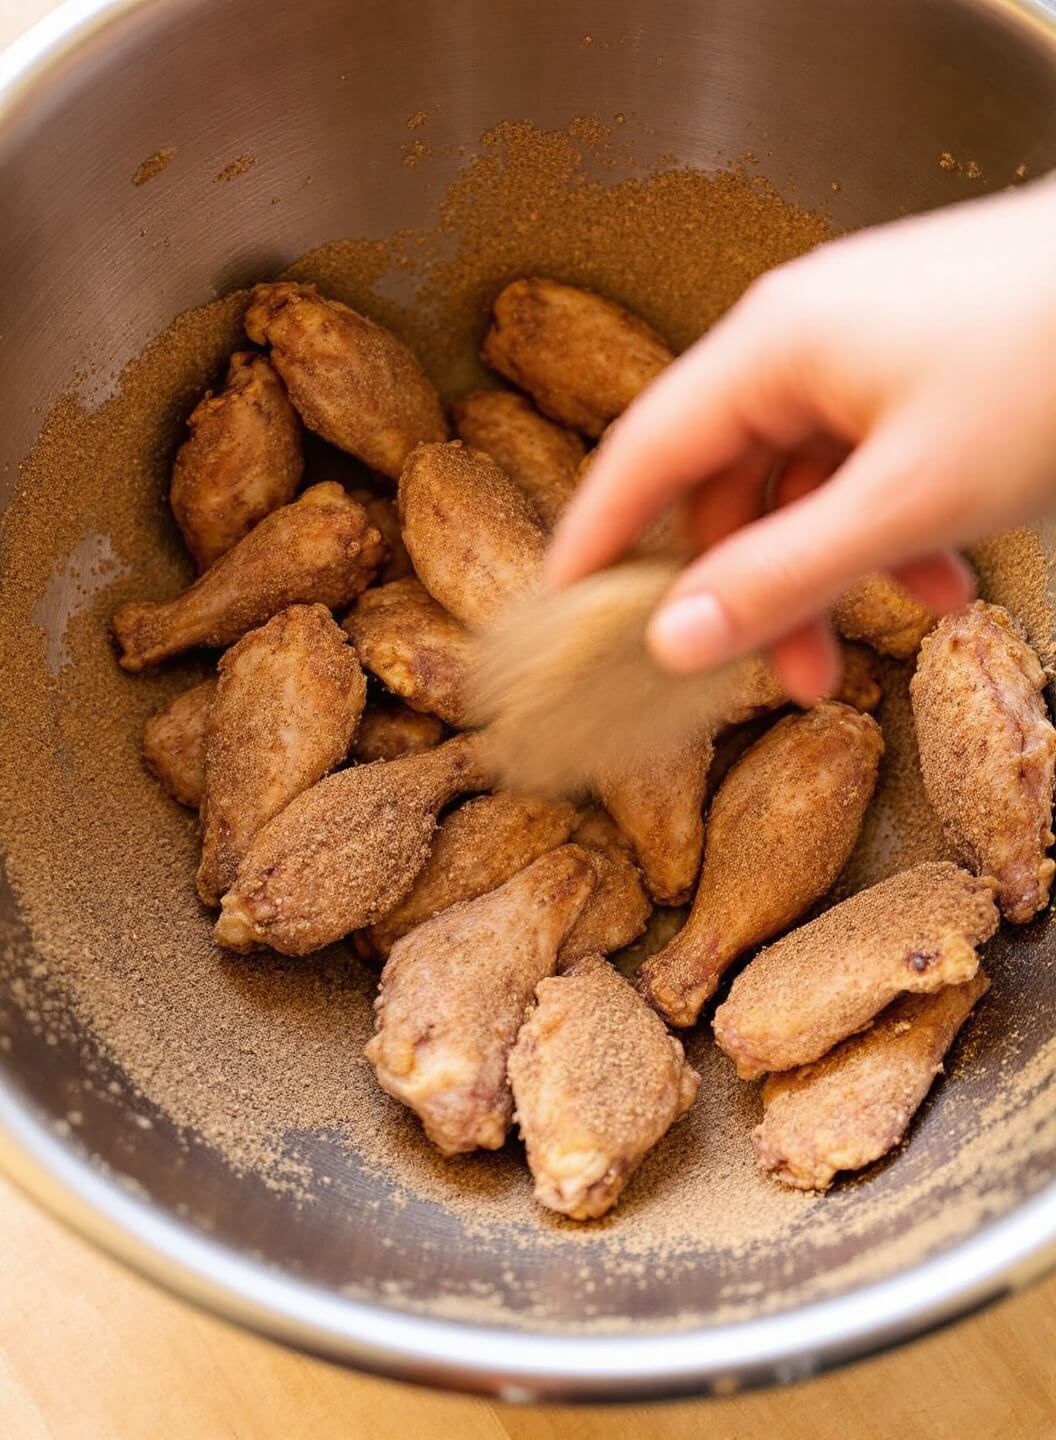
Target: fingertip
pixel 690 633
pixel 942 582
pixel 807 662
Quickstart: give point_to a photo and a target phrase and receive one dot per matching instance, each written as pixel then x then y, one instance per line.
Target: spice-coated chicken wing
pixel 389 732
pixel 473 536
pixel 582 358
pixel 541 457
pixel 596 1081
pixel 619 909
pixel 287 703
pixel 859 679
pixel 987 751
pixel 658 803
pixel 855 1104
pixel 414 647
pixel 350 380
pixel 779 831
pixel 321 549
pixel 174 743
pixel 478 847
pixel 454 993
pixel 241 461
pixel 913 933
pixel 381 510
pixel 887 617
pixel 346 851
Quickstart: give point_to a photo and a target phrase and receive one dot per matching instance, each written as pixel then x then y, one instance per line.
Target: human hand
pixel 904 379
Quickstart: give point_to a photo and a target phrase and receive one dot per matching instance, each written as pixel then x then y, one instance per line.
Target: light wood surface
pixel 89 1352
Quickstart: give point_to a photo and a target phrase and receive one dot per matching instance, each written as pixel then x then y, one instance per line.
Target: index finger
pixel 705 412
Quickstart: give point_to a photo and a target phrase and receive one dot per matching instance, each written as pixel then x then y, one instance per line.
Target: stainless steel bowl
pixel 837 89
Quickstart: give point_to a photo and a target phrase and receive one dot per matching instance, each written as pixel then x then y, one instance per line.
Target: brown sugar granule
pixel 676 247
pixel 153 165
pixel 414 154
pixel 234 169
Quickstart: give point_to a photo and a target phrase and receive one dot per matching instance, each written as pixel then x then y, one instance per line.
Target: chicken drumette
pixel 414 647
pixel 343 853
pixel 541 457
pixel 473 536
pixel 657 803
pixel 619 909
pixel 880 612
pixel 321 549
pixel 779 831
pixel 582 358
pixel 391 732
pixel 174 743
pixel 478 847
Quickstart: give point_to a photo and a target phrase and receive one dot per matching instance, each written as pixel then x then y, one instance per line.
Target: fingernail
pixel 690 634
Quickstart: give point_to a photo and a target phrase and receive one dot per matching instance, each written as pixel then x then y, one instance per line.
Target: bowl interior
pixel 180 151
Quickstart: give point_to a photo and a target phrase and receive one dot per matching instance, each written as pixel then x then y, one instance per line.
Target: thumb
pixel 886 506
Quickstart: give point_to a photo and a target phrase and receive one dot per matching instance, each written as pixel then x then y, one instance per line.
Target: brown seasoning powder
pixel 249 1053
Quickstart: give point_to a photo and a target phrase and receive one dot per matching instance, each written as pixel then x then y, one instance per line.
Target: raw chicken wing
pixel 657 802
pixel 321 549
pixel 887 617
pixel 581 358
pixel 346 851
pixel 381 510
pixel 389 732
pixel 287 703
pixel 913 933
pixel 174 744
pixel 241 461
pixel 473 536
pixel 780 829
pixel 543 458
pixel 987 751
pixel 454 993
pixel 854 1105
pixel 597 1081
pixel 618 911
pixel 351 381
pixel 414 647
pixel 477 848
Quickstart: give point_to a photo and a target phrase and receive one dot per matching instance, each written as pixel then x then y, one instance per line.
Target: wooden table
pixel 89 1352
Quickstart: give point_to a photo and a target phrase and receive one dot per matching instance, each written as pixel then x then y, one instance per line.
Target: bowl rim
pixel 512 1364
